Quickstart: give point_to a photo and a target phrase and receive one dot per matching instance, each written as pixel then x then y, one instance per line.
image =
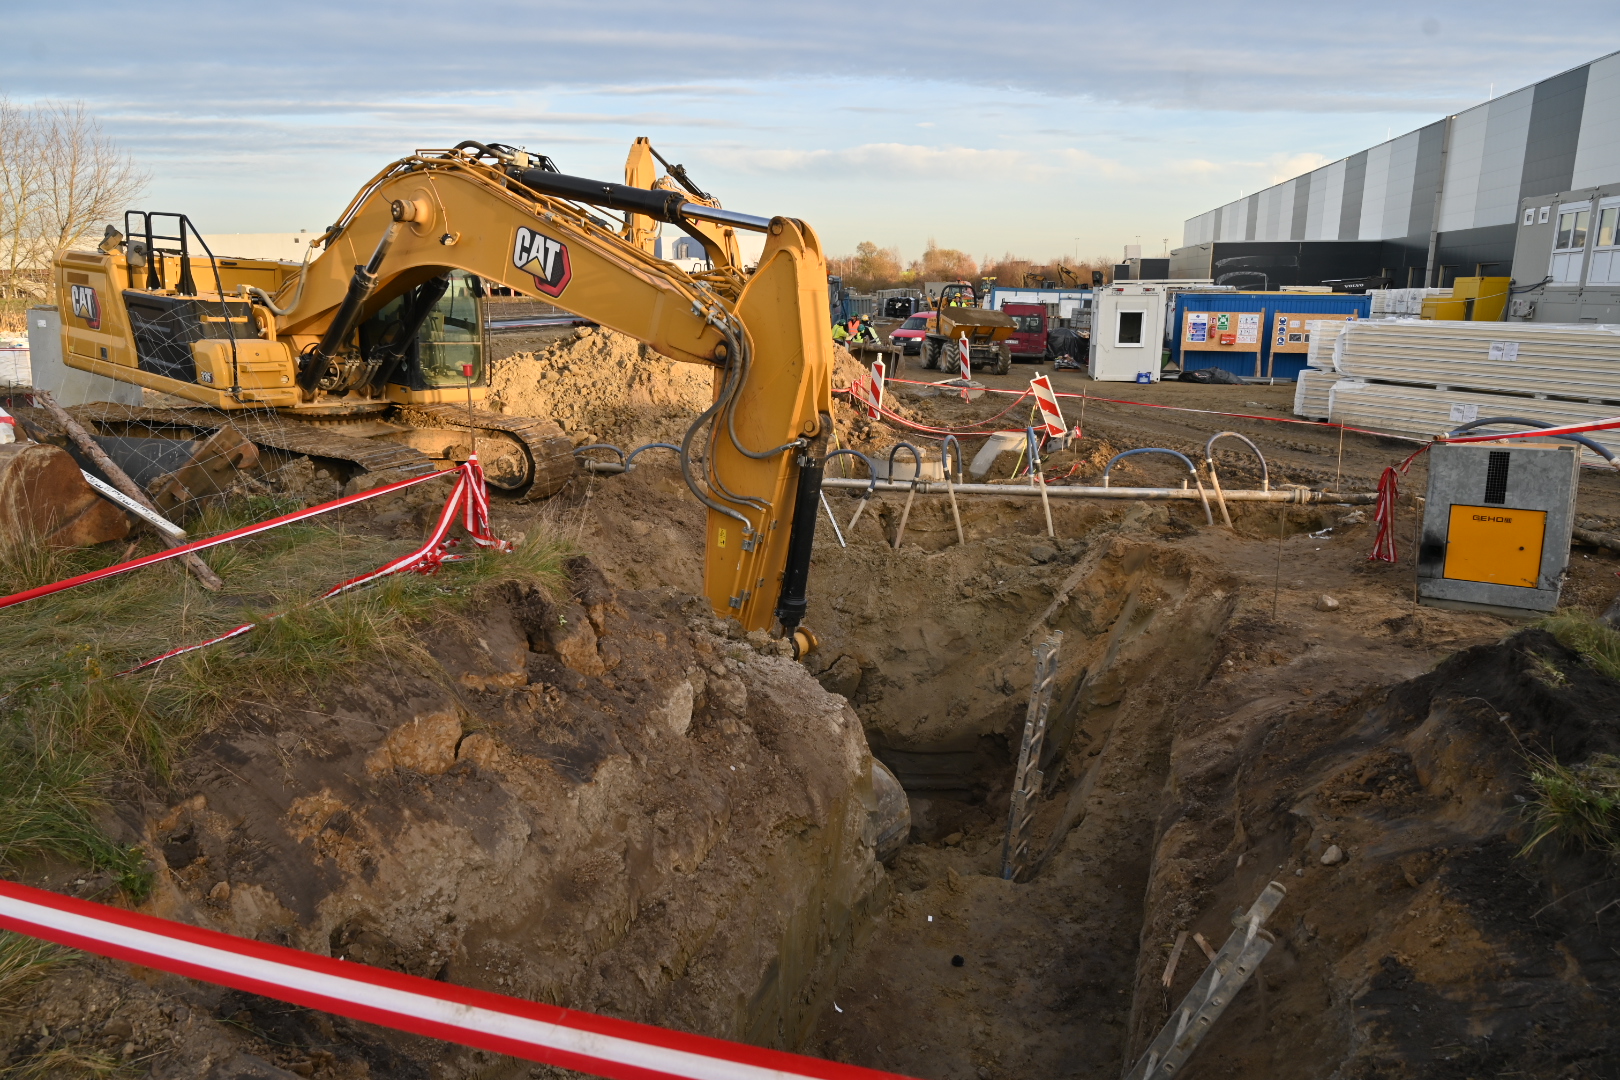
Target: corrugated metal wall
pixel 1284 365
pixel 1561 133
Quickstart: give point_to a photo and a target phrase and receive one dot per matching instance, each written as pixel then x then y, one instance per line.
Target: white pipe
pixel 157 521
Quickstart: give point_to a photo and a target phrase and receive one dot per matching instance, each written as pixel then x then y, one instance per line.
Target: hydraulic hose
pixel 361 286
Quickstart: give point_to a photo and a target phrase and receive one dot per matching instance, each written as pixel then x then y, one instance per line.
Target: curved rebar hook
pixel 916 457
pixel 1209 515
pixel 950 489
pixel 945 459
pixel 916 477
pixel 1591 444
pixel 1185 460
pixel 871 473
pixel 1265 470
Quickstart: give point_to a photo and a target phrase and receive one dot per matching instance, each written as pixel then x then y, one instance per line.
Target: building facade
pixel 1444 201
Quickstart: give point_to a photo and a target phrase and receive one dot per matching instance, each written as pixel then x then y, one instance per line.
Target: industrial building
pixel 1448 200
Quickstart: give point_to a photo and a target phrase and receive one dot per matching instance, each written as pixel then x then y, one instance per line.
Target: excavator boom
pixel 510 219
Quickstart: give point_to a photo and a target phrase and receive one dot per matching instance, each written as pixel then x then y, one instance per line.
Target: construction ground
pixel 561 778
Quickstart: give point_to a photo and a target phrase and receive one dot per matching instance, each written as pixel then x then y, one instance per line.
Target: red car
pixel 909 334
pixel 1029 340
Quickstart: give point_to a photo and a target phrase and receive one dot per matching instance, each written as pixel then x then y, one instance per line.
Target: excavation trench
pixel 941 682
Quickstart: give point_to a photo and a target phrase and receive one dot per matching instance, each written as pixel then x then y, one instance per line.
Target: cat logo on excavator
pixel 544 259
pixel 86 306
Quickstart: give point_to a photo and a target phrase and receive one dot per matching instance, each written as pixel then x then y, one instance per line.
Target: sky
pixel 1039 129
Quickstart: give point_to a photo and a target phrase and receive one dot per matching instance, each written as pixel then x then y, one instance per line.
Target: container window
pixel 1129 328
pixel 1572 225
pixel 1605 269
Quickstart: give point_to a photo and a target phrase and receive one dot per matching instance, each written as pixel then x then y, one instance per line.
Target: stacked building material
pixel 1426 411
pixel 1579 362
pixel 1401 301
pixel 1311 393
pixel 1323 333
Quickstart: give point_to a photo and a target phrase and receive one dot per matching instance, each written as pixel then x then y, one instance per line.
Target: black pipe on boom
pixel 657 204
pixel 791 602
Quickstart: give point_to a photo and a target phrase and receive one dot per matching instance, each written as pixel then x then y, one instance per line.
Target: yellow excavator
pixel 368 356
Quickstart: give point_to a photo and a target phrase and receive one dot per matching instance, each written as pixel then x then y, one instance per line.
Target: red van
pixel 1029 340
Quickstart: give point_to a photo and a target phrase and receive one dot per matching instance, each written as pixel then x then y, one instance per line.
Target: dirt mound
pixel 602 386
pixel 598 799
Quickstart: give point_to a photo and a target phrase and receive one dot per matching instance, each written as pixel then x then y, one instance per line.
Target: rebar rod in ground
pixel 120 480
pixel 1213 992
pixel 1027 780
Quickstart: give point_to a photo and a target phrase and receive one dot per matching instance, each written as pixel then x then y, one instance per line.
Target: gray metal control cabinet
pixel 1497 525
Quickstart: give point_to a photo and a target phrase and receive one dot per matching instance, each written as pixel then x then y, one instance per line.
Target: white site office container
pixel 1127 332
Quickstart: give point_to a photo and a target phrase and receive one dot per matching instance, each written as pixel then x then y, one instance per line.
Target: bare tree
pixel 21 165
pixel 61 177
pixel 88 179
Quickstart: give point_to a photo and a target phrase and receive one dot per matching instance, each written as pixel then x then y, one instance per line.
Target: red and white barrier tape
pixel 214 541
pixel 604 1046
pixel 468 497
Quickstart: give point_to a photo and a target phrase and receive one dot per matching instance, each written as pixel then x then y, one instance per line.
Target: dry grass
pixel 1576 806
pixel 1597 643
pixel 69 724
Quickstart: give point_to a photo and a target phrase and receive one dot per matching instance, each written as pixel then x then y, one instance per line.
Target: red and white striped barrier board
pixel 874 401
pixel 1046 400
pixel 601 1045
pixel 965 359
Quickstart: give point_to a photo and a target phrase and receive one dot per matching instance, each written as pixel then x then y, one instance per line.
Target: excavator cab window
pixel 452 335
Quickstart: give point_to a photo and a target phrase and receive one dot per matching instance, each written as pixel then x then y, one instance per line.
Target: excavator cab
pixel 449 338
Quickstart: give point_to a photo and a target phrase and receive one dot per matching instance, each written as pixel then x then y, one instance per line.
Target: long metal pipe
pixel 1292 495
pixel 1295 496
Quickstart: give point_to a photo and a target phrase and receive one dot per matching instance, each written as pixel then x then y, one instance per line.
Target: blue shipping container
pixel 1285 365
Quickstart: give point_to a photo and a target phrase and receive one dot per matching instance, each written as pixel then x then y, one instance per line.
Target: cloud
pixel 1265 55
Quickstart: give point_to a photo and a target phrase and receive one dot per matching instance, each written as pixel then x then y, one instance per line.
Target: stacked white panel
pixel 1574 361
pixel 1311 393
pixel 1424 412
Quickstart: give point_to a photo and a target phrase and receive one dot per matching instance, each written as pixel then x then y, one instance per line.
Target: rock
pixel 1332 856
pixel 1042 553
pixel 953 839
pixel 220 892
pixel 479 749
pixel 843 677
pixel 1326 603
pixel 953 880
pixel 1299 873
pixel 573 639
pixel 676 713
pixel 425 744
pixel 728 694
pixel 117 1029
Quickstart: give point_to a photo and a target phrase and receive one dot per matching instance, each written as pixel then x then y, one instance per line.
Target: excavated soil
pixel 598 799
pixel 1217 723
pixel 1203 697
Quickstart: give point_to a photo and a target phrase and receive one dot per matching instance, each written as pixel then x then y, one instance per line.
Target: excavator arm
pixel 753 458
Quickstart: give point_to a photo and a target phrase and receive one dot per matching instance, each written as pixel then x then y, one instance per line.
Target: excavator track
pixel 551 454
pixel 269 430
